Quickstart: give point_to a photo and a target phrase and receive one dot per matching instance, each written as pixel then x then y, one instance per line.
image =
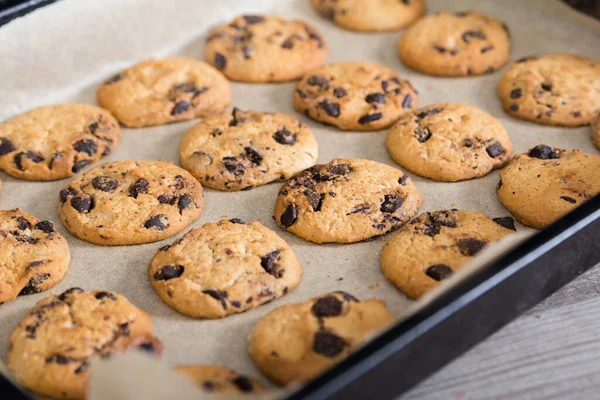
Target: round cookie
pixel 296 342
pixel 435 244
pixel 557 89
pixel 157 92
pixel 596 131
pixel 455 44
pixel 543 185
pixel 216 379
pixel 371 15
pixel 130 202
pixel 262 48
pixel 244 149
pixel 34 258
pixel 55 142
pixel 346 201
pixel 357 96
pixel 224 268
pixel 449 142
pixel 51 348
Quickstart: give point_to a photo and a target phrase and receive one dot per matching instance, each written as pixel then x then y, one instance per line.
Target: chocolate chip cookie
pixel 296 342
pixel 34 256
pixel 217 379
pixel 346 201
pixel 455 44
pixel 130 202
pixel 263 48
pixel 157 92
pixel 357 96
pixel 557 89
pixel 449 142
pixel 51 348
pixel 244 149
pixel 224 268
pixel 546 183
pixel 57 141
pixel 435 244
pixel 596 131
pixel 371 15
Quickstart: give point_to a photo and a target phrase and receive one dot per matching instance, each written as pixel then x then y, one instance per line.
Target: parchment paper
pixel 62 52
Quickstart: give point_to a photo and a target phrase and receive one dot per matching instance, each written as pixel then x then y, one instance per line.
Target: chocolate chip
pixel 208 386
pixel 287 44
pixel 328 306
pixel 113 79
pixel 289 217
pixel 391 203
pixel 253 19
pixel 328 344
pixel 339 169
pixel 315 80
pixel 236 221
pixel 233 167
pixel 431 111
pixel 513 107
pixel 23 223
pixel 569 199
pixel 368 118
pixel 347 296
pixel 283 136
pixel 103 295
pixel 361 209
pixel 576 114
pixel 106 151
pixel 57 359
pixel 407 103
pixel 506 222
pixel 87 146
pixel 180 107
pixel 339 92
pixel 237 118
pixel 79 165
pixel 32 286
pixel 34 264
pixel 470 246
pixel 217 295
pixel 332 109
pixel 6 146
pixel 184 202
pixel 495 149
pixel 169 272
pixel 527 58
pixel 486 49
pixel 253 155
pixel 45 226
pixel 269 264
pixel 167 199
pixel 468 35
pixel 547 86
pixel 165 247
pixel 220 61
pixel 82 368
pixel 83 204
pixel 159 221
pixel 516 93
pixel 57 156
pixel 35 157
pixel 105 183
pixel 439 272
pixel 403 180
pixel 375 98
pixel 67 292
pixel 187 87
pixel 138 187
pixel 544 152
pixel 301 93
pixel 243 384
pixel 440 49
pixel 247 51
pixel 422 134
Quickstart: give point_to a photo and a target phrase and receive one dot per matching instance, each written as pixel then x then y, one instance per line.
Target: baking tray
pixel 456 319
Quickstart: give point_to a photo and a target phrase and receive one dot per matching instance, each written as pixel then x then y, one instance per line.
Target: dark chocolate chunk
pixel 180 107
pixel 56 156
pixel 513 107
pixel 237 118
pixel 547 86
pixel 105 183
pixel 45 226
pixel 159 221
pixel 269 264
pixel 252 155
pixel 253 19
pixel 67 292
pixel 58 359
pixel 569 199
pixel 103 295
pixel 287 44
pixel 332 109
pixel 347 296
pixel 368 118
pixel 236 221
pixel 83 204
pixel 247 51
pixel 217 295
pixel 233 166
pixel 23 223
pixel 288 218
pixel 243 384
pixel 506 222
pixel 220 61
pixel 87 146
pixel 468 35
pixel 328 306
pixel 407 102
pixel 169 272
pixel 403 180
pixel 391 203
pixel 301 93
pixel 315 80
pixel 340 169
pixel 431 111
pixel 82 368
pixel 33 156
pixel 422 134
pixel 283 136
pixel 375 98
pixel 165 247
pixel 138 187
pixel 167 199
pixel 113 79
pixel 486 49
pixel 328 344
pixel 184 202
pixel 544 152
pixel 34 264
pixel 33 285
pixel 470 246
pixel 439 272
pixel 79 165
pixel 516 93
pixel 495 149
pixel 339 92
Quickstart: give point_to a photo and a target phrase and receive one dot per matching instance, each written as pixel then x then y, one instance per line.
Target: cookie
pixel 449 142
pixel 296 342
pixel 157 92
pixel 371 15
pixel 244 149
pixel 435 244
pixel 262 48
pixel 224 268
pixel 543 185
pixel 34 258
pixel 346 201
pixel 455 44
pixel 51 348
pixel 130 202
pixel 358 96
pixel 216 379
pixel 55 142
pixel 557 89
pixel 596 131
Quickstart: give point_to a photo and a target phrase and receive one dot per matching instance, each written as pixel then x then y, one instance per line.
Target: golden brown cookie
pixel 51 348
pixel 449 142
pixel 263 48
pixel 596 131
pixel 455 44
pixel 55 142
pixel 543 185
pixel 130 202
pixel 296 342
pixel 247 148
pixel 557 89
pixel 216 379
pixel 157 92
pixel 436 244
pixel 33 256
pixel 357 96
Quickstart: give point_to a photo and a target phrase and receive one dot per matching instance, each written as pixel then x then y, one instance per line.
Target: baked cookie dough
pixel 130 202
pixel 224 268
pixel 221 380
pixel 243 149
pixel 596 131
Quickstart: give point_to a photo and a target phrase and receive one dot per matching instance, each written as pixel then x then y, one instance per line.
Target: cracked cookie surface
pixel 224 268
pixel 217 379
pixel 130 202
pixel 449 142
pixel 346 201
pixel 157 92
pixel 57 141
pixel 455 44
pixel 263 48
pixel 247 148
pixel 51 348
pixel 557 89
pixel 371 15
pixel 34 258
pixel 546 183
pixel 298 341
pixel 434 245
pixel 358 96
